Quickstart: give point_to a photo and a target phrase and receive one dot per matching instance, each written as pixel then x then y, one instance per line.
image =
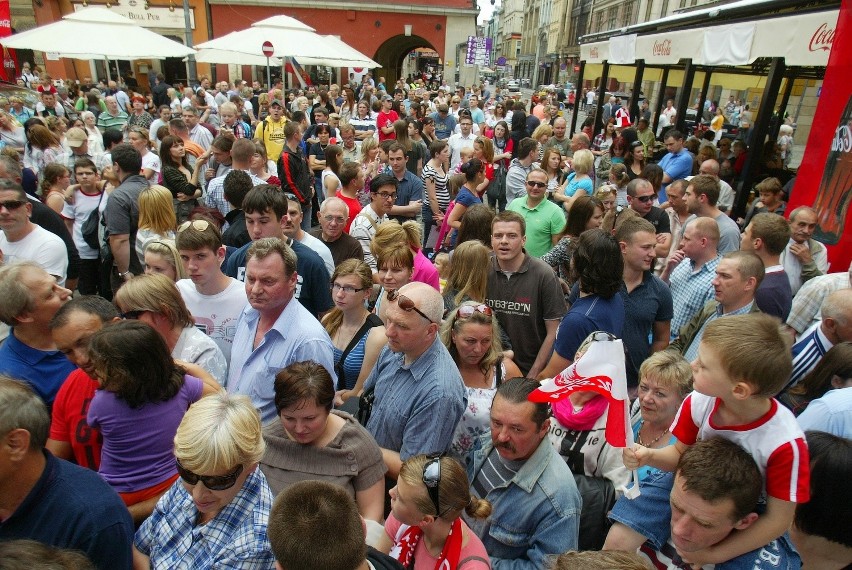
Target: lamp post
pixel 190 59
pixel 539 39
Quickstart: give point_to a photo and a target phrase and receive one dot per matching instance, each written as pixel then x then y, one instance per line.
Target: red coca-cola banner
pixel 824 178
pixel 9 61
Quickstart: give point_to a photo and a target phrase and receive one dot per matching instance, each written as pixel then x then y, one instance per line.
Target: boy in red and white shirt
pixel 743 360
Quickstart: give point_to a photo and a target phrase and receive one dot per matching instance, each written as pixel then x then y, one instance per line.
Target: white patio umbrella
pixel 97 33
pixel 289 38
pixel 234 58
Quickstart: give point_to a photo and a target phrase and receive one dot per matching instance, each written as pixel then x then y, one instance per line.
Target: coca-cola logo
pixel 593 52
pixel 822 39
pixel 662 48
pixel 6 24
pixel 842 141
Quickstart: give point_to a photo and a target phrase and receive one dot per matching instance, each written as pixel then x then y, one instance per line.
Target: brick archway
pixel 392 52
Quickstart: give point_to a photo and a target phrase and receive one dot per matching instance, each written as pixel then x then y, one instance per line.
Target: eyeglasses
pixel 200 225
pixel 467 310
pixel 212 482
pixel 348 289
pixel 645 199
pixel 133 315
pixel 338 219
pixel 385 195
pixel 432 480
pixel 536 184
pixel 12 204
pixel 406 304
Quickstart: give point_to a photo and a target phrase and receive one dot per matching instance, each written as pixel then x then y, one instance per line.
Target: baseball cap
pixel 274 102
pixel 387 98
pixel 76 137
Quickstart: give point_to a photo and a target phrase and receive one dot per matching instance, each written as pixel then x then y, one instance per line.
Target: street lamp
pixel 540 37
pixel 190 60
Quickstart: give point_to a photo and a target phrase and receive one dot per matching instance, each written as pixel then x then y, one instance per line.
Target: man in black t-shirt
pixel 640 197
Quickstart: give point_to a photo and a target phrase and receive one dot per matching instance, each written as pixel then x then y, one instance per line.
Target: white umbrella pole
pixel 109 78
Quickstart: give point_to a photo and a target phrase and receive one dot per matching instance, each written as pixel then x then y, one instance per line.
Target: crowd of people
pixel 254 326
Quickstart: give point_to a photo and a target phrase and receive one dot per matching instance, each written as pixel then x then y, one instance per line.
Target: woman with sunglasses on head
pixel 472 336
pixel 218 511
pixel 311 441
pixel 141 399
pixel 396 266
pixel 425 530
pixel 154 299
pixel 357 335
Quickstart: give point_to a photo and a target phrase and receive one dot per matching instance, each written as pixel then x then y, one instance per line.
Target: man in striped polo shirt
pixel 113 118
pixel 835 327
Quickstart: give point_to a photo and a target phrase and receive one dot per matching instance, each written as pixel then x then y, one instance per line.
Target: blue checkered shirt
pixel 690 291
pixel 214 197
pixel 691 352
pixel 235 538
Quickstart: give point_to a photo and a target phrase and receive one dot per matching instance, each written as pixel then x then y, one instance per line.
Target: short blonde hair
pixel 155 293
pixel 542 130
pixel 598 560
pixel 219 432
pixel 583 161
pixel 670 369
pixel 17 298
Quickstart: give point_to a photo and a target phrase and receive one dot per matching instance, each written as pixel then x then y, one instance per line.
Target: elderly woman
pixel 311 441
pixel 472 336
pixel 96 138
pixel 216 514
pixel 156 301
pixel 665 378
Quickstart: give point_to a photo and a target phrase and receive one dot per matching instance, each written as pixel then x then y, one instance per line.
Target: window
pixel 598 21
pixel 612 18
pixel 628 12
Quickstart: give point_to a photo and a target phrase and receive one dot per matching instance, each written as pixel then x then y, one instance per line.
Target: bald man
pixel 710 167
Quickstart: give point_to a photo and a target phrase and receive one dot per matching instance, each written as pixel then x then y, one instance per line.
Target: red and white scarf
pixel 407 538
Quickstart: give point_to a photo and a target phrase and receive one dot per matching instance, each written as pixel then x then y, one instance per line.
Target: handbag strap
pixel 373 320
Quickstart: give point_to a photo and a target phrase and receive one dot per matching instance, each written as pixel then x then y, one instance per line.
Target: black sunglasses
pixel 212 482
pixel 645 199
pixel 432 480
pixel 406 304
pixel 12 204
pixel 133 315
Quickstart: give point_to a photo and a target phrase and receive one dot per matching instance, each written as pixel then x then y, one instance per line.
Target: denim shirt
pixel 534 516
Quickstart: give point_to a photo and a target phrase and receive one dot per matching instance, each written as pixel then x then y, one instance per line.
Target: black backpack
pixel 90 226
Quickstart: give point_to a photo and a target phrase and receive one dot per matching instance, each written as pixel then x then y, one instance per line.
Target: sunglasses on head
pixel 432 480
pixel 212 482
pixel 467 310
pixel 200 225
pixel 406 304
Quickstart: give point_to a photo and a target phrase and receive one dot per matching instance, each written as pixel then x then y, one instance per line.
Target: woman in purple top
pixel 142 398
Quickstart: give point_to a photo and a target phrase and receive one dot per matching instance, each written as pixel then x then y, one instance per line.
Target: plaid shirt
pixel 808 301
pixel 235 538
pixel 691 289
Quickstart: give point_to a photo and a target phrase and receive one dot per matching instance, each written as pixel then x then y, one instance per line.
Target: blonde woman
pixel 155 300
pixel 151 165
pixel 579 182
pixel 473 338
pixel 424 529
pixel 541 135
pixel 217 448
pixel 157 219
pixel 162 257
pixel 369 166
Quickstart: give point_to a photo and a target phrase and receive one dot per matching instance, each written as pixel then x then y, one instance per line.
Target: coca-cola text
pixel 662 48
pixel 822 39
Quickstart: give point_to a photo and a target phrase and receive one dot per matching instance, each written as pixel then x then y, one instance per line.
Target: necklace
pixel 653 441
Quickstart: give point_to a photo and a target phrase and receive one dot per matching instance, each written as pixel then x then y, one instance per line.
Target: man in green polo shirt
pixel 113 117
pixel 545 220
